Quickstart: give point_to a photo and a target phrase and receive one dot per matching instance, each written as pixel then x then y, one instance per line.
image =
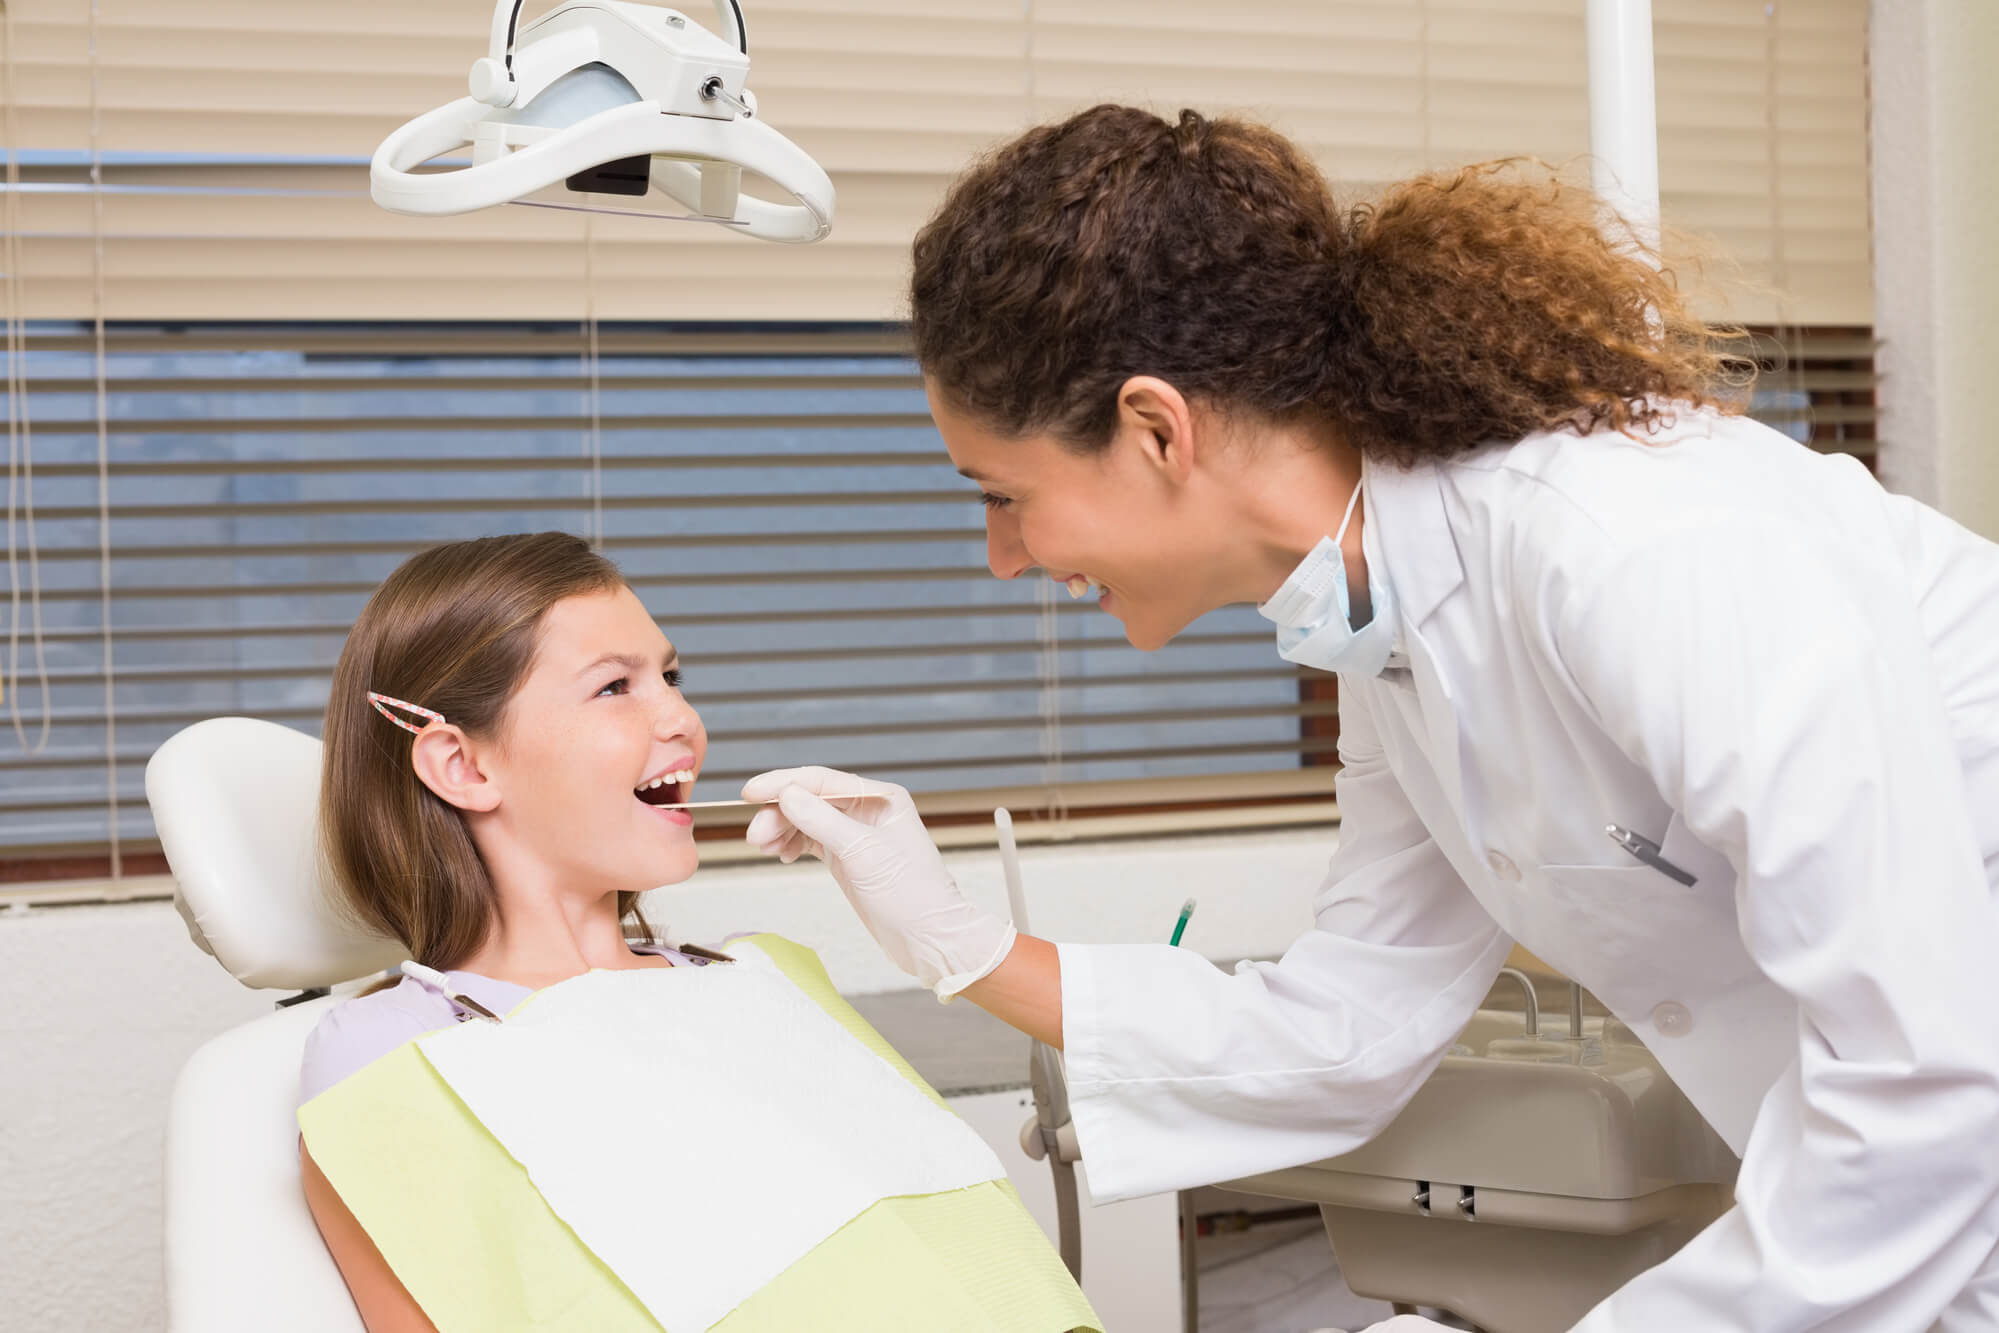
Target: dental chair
pixel 234 800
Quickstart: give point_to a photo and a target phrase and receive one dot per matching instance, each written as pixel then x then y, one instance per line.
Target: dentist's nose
pixel 1005 554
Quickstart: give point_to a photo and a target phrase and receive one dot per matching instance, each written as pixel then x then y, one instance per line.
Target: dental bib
pixel 727 1148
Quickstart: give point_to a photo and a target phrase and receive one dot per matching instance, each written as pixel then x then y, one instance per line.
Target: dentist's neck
pixel 1293 487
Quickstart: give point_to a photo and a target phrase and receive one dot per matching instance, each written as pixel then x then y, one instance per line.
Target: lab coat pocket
pixel 1632 925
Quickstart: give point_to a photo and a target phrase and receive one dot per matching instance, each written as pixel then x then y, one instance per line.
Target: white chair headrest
pixel 236 803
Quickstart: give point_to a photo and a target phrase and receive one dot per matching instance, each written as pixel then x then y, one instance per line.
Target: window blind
pixel 231 138
pixel 789 516
pixel 300 389
pixel 779 499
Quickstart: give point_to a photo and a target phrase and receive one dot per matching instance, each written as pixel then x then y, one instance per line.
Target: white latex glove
pixel 870 837
pixel 1402 1323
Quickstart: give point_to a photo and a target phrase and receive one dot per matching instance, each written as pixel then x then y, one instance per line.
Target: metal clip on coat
pixel 608 106
pixel 1050 1133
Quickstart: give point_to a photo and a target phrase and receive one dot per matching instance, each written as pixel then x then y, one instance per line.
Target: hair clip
pixel 383 702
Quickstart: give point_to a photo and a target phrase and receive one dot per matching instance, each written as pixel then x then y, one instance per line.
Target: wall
pixel 104 1003
pixel 1936 243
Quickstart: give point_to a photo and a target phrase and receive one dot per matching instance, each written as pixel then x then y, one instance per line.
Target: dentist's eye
pixel 991 501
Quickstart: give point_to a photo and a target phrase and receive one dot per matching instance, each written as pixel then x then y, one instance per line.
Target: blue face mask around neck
pixel 1314 621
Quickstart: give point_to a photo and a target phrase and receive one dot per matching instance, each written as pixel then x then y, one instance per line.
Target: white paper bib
pixel 780 1127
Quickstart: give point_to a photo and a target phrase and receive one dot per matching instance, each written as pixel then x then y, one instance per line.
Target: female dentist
pixel 1469 454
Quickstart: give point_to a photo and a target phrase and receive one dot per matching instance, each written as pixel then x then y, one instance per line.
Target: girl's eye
pixel 622 685
pixel 991 501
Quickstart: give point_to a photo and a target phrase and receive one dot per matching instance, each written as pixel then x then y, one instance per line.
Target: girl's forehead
pixel 587 631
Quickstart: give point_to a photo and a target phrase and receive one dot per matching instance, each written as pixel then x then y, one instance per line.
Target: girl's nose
pixel 674 718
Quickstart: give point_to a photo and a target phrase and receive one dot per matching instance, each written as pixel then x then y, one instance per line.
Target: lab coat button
pixel 1502 866
pixel 1672 1019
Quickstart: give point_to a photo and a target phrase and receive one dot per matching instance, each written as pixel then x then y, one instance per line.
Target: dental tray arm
pixel 1050 1133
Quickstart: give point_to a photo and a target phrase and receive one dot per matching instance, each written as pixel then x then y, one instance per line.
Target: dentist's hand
pixel 870 837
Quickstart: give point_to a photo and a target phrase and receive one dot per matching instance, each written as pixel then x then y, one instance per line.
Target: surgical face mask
pixel 1313 618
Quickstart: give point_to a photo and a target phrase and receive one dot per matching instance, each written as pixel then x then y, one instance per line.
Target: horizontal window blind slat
pixel 396 505
pixel 81 675
pixel 444 341
pixel 127 591
pixel 566 422
pixel 377 465
pixel 57 759
pixel 706 698
pixel 124 384
pixel 613 544
pixel 954 611
pixel 86 802
pixel 612 380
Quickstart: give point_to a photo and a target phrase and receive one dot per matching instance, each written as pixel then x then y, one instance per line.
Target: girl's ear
pixel 445 762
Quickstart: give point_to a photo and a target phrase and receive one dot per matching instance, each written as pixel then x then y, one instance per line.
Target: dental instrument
pixel 1051 1133
pixel 716 805
pixel 608 106
pixel 1180 926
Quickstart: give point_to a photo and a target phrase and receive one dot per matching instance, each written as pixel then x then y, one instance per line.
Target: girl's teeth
pixel 1078 585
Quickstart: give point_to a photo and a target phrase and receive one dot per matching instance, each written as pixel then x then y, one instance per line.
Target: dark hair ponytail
pixel 1457 310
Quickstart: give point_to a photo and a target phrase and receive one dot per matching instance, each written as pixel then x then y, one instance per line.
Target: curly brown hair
pixel 1457 310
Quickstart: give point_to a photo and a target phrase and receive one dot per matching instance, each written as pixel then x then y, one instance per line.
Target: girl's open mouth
pixel 668 789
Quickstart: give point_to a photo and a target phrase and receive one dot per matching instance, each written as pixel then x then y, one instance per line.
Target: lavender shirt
pixel 366 1028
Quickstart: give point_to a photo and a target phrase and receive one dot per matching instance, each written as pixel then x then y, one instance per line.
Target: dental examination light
pixel 608 106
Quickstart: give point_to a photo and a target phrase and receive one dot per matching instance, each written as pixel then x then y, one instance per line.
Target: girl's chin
pixel 673 866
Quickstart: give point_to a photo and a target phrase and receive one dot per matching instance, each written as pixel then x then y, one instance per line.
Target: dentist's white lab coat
pixel 1756 657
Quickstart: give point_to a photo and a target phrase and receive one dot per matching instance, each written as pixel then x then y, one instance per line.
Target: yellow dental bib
pixel 477 1245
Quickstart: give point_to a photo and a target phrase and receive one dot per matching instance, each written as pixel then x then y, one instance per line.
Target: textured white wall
pixel 102 1005
pixel 1936 243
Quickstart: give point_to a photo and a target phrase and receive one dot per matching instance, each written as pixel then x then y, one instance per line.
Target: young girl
pixel 507 855
pixel 505 730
